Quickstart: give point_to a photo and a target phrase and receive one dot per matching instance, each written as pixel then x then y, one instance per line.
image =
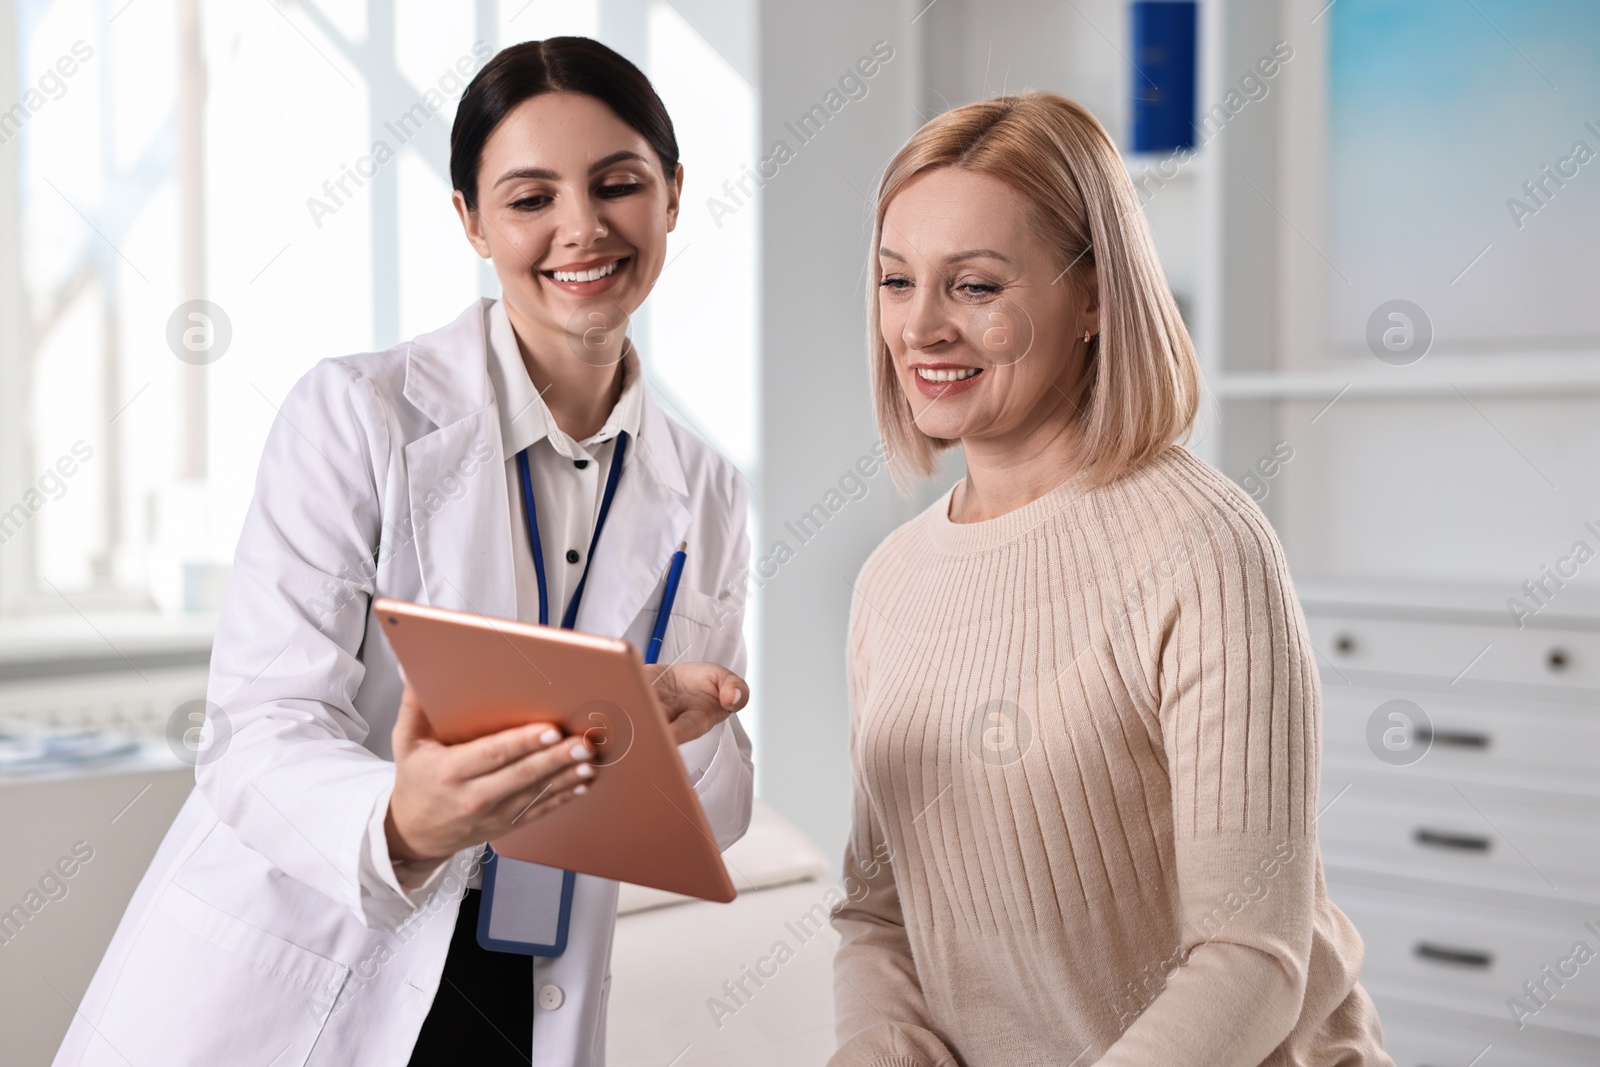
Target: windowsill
pixel 37 646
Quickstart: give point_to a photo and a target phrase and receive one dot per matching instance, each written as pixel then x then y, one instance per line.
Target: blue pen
pixel 668 595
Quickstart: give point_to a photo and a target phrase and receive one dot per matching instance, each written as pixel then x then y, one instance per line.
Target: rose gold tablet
pixel 640 821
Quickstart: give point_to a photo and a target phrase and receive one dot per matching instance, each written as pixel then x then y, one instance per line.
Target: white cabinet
pixel 1460 817
pixel 102 823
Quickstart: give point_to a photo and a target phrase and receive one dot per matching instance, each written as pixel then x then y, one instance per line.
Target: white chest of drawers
pixel 1460 817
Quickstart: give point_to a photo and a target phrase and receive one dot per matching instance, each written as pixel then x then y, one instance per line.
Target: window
pixel 272 160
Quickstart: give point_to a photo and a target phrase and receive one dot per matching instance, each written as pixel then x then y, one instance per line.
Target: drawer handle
pixel 1453 738
pixel 1459 957
pixel 1444 839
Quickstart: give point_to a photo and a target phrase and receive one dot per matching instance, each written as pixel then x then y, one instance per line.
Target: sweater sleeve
pixel 881 1017
pixel 1238 708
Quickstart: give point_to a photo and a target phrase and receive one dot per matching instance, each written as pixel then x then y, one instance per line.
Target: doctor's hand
pixel 698 696
pixel 450 797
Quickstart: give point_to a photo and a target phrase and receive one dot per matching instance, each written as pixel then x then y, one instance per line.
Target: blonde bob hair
pixel 1141 385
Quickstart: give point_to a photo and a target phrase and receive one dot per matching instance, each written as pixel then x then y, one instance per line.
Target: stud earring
pixel 1085 336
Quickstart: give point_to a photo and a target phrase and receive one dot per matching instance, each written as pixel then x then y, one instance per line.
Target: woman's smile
pixel 590 278
pixel 940 380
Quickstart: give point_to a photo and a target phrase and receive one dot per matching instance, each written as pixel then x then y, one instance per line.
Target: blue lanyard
pixel 526 873
pixel 532 512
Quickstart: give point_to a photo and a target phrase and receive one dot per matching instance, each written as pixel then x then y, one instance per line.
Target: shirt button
pixel 580 463
pixel 551 997
pixel 572 555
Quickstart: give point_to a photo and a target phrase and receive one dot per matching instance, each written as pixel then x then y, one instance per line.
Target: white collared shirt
pixel 569 476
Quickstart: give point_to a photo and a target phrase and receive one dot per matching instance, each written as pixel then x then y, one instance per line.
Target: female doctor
pixel 308 904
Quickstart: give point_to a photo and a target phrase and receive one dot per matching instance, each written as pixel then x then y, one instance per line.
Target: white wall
pixel 816 405
pixel 978 50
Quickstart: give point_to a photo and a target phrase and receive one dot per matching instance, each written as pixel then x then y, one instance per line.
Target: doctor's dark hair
pixel 559 64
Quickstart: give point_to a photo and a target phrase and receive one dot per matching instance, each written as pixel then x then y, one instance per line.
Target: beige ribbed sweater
pixel 1086 745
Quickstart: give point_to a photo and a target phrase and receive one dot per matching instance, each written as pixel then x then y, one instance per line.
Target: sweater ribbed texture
pixel 1085 738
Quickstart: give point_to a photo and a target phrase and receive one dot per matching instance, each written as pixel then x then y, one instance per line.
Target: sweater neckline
pixel 964 537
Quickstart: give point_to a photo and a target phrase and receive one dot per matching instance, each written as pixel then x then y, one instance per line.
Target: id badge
pixel 526 907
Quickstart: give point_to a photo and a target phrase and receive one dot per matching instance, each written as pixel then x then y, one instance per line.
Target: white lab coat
pixel 265 931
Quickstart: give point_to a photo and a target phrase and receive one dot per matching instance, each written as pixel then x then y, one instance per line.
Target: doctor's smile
pixel 587 279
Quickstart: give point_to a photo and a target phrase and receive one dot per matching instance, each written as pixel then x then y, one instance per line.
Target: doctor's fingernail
pixel 581 751
pixel 585 771
pixel 579 790
pixel 550 736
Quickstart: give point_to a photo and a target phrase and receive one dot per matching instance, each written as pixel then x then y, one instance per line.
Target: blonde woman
pixel 1085 722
